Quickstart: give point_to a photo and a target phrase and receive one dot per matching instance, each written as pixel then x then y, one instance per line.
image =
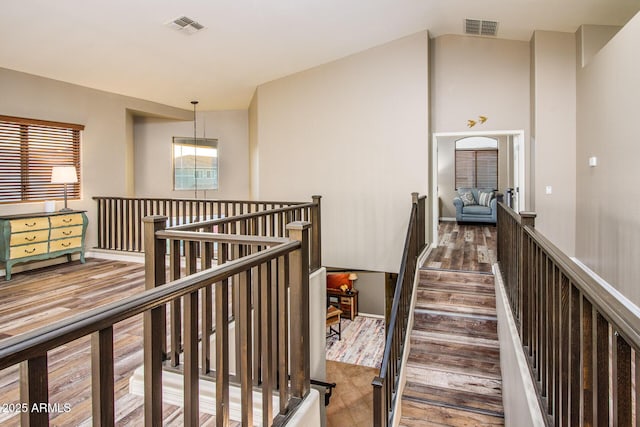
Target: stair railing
pixel 119 219
pixel 581 338
pixel 283 279
pixel 386 386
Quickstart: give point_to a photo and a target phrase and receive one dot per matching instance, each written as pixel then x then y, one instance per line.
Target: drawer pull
pixel 67 220
pixel 67 233
pixel 65 245
pixel 30 224
pixel 30 239
pixel 30 251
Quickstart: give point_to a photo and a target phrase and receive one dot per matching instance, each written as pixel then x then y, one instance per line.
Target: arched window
pixel 477 162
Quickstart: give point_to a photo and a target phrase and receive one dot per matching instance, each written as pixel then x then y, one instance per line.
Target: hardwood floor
pixel 43 296
pixel 463 247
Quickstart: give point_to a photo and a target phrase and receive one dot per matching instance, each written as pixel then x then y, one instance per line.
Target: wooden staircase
pixel 453 371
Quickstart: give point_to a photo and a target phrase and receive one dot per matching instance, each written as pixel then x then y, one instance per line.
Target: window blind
pixel 476 168
pixel 28 150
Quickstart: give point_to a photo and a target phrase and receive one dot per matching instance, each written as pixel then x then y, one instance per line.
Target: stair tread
pixel 457 398
pixel 454 381
pixel 468 326
pixel 414 414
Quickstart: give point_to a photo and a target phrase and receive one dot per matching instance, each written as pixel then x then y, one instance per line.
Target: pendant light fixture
pixel 195 156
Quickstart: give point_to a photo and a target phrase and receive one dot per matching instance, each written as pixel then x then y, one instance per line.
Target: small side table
pixel 347 302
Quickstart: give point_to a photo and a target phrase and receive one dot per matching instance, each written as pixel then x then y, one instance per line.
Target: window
pixel 28 150
pixel 195 164
pixel 477 163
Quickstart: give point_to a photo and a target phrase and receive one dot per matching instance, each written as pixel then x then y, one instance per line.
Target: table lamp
pixel 64 175
pixel 352 278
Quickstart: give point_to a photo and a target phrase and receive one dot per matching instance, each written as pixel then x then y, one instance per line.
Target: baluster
pixel 102 380
pixel 316 234
pixel 621 381
pixel 191 373
pixel 207 310
pixel 222 345
pixel 175 307
pixel 34 390
pixel 267 327
pixel 243 323
pixel 601 339
pixel 283 332
pixel 588 363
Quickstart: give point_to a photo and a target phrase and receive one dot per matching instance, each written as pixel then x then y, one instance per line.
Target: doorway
pixel 511 153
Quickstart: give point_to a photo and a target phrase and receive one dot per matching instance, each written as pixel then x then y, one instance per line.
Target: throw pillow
pixel 467 198
pixel 485 198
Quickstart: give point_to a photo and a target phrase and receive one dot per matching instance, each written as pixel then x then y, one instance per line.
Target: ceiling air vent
pixel 479 27
pixel 185 25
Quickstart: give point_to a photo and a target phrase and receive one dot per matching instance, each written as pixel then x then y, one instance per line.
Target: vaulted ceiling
pixel 126 46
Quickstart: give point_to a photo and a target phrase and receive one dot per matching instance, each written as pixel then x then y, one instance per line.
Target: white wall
pixel 355 132
pixel 473 76
pixel 554 88
pixel 608 196
pixel 153 155
pixel 106 147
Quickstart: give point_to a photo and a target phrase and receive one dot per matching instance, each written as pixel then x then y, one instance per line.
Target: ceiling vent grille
pixel 185 25
pixel 479 27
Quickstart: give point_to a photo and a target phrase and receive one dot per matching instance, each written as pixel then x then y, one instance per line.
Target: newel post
pixel 154 321
pixel 299 303
pixel 316 234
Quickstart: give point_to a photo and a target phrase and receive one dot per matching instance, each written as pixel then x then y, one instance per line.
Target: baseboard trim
pixel 447 219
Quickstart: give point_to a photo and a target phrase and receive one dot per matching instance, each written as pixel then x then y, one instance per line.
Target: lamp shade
pixel 353 276
pixel 64 175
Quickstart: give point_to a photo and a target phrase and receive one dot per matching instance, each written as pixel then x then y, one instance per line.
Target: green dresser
pixel 38 236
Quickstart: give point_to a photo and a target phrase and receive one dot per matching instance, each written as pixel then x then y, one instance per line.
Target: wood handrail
pixel 236 218
pixel 24 346
pixel 259 202
pixel 201 236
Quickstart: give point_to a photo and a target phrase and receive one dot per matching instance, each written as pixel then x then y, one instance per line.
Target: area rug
pixel 362 342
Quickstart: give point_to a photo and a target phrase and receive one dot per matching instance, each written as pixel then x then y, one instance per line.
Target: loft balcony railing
pixel 261 277
pixel 120 222
pixel 581 340
pixel 386 385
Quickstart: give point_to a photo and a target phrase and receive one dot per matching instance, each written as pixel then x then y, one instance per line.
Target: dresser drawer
pixel 66 220
pixel 62 244
pixel 29 250
pixel 64 232
pixel 29 237
pixel 29 224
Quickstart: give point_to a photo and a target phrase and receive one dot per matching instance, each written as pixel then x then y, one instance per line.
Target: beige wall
pixel 106 141
pixel 554 105
pixel 153 156
pixel 355 132
pixel 474 76
pixel 446 170
pixel 608 195
pixel 592 38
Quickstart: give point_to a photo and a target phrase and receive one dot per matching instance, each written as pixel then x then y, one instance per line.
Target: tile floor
pixel 352 400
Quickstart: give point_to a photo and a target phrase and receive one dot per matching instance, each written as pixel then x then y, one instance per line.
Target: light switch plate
pixel 548 189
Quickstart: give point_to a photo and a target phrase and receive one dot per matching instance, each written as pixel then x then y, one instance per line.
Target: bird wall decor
pixel 472 123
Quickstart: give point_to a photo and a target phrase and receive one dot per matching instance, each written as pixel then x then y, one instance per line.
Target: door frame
pixel 518 139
